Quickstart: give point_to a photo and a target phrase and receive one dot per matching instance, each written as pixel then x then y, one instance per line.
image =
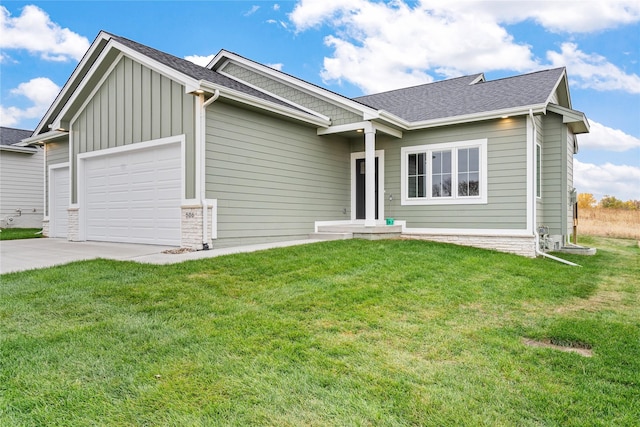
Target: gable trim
pixel 225 57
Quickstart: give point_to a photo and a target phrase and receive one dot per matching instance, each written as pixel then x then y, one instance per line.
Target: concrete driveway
pixel 21 255
pixel 27 254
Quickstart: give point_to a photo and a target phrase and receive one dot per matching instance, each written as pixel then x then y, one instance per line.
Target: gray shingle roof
pixel 10 136
pixel 457 97
pixel 198 72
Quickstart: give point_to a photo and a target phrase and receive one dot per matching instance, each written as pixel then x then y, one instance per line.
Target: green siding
pixel 506 158
pixel 553 170
pixel 339 116
pixel 272 178
pixel 136 104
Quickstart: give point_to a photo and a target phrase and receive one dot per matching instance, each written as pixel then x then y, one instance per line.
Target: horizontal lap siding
pixel 552 173
pixel 136 104
pixel 507 204
pixel 272 178
pixel 21 187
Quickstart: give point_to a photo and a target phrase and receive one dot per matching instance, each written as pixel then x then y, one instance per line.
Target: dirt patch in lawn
pixel 568 347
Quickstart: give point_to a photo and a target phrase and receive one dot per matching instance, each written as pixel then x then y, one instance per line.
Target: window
pixel 538 171
pixel 451 173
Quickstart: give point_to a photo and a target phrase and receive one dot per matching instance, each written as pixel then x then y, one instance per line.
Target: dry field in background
pixel 609 223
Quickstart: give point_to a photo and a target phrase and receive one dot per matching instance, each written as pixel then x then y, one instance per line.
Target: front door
pixel 360 189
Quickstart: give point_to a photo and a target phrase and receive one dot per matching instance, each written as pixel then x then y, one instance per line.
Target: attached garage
pixel 132 194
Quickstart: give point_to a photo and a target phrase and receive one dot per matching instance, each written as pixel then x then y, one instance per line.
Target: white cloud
pixel 34 31
pixel 404 44
pixel 276 7
pixel 621 181
pixel 573 16
pixel 203 61
pixel 277 66
pixel 602 137
pixel 253 10
pixel 407 45
pixel 593 71
pixel 39 91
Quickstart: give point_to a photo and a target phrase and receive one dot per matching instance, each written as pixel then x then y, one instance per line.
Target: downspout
pixel 534 206
pixel 202 177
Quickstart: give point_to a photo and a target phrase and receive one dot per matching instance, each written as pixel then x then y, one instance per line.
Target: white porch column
pixel 370 175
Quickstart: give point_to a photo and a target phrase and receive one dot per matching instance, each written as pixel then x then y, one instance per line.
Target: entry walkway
pixel 28 254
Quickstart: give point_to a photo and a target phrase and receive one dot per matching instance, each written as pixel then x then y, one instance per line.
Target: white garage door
pixel 58 201
pixel 134 196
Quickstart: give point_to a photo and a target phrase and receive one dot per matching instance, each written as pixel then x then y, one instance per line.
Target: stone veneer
pixel 45 227
pixel 519 245
pixel 191 227
pixel 73 225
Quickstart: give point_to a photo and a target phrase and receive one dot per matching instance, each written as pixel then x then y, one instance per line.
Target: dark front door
pixel 361 202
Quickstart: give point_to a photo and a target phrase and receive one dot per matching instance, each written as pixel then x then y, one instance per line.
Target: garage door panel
pixel 135 196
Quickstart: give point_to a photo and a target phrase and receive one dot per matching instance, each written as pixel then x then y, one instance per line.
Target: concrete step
pixel 330 236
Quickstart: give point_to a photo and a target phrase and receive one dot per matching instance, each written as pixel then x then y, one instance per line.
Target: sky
pixel 357 47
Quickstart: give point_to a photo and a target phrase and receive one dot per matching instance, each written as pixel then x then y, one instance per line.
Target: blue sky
pixel 355 47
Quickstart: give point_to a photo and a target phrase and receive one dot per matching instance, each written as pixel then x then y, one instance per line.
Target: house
pixel 145 147
pixel 21 185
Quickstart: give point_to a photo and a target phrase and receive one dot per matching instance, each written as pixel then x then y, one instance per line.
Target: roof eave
pixel 576 120
pixel 18 149
pixel 42 138
pixel 475 117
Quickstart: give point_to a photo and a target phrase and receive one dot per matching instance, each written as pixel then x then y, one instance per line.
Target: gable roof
pixel 466 95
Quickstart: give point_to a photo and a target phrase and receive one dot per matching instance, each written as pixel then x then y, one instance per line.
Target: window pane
pixel 446 161
pixel 463 185
pixel 474 184
pixel 446 185
pixel 422 191
pixel 436 186
pixel 436 163
pixel 412 164
pixel 474 159
pixel 412 186
pixel 463 160
pixel 421 163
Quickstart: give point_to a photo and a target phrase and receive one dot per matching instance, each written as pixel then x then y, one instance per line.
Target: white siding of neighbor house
pixel 272 178
pixel 21 189
pixel 507 198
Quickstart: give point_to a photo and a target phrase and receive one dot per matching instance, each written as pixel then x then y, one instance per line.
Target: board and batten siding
pixel 506 158
pixel 57 152
pixel 21 189
pixel 272 178
pixel 554 149
pixel 339 116
pixel 135 104
pixel 571 141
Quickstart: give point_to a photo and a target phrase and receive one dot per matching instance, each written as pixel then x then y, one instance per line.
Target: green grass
pixel 337 333
pixel 20 233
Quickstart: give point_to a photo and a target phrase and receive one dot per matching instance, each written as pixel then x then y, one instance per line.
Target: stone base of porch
pixel 519 245
pixel 352 231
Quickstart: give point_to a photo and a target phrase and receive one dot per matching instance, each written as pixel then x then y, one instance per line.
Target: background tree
pixel 586 201
pixel 611 202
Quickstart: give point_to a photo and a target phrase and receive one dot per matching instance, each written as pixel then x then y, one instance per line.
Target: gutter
pixel 17 149
pixel 203 139
pixel 534 201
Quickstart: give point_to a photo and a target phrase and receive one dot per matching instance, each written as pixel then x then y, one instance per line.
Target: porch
pixel 356 231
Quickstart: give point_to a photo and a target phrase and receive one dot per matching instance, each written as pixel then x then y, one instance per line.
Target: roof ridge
pixel 12 128
pixel 545 70
pixel 476 75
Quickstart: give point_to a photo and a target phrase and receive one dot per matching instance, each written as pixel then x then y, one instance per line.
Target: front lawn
pixel 20 233
pixel 336 333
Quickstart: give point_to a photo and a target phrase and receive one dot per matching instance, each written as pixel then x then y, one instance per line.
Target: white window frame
pixel 454 199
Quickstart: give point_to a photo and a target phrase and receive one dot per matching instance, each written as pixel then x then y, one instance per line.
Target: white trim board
pixel 381 191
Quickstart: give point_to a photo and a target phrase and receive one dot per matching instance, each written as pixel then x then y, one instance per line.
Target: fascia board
pixel 574 117
pixel 476 117
pixel 563 77
pixel 265 105
pixel 18 149
pixel 311 89
pixel 189 83
pixel 42 138
pixel 102 36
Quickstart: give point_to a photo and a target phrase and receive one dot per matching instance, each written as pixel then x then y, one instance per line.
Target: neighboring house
pixel 21 185
pixel 145 147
